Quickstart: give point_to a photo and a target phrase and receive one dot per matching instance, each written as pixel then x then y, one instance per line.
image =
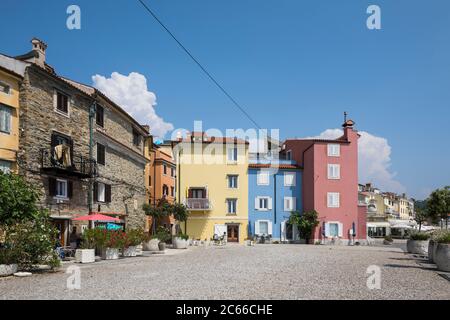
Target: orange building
pixel 160 182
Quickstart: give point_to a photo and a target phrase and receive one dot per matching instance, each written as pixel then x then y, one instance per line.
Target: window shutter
pixel 294 203
pixel 52 186
pixel 70 189
pixel 341 228
pixel 270 227
pixel 257 227
pixel 107 193
pixel 269 205
pixel 95 192
pixel 257 203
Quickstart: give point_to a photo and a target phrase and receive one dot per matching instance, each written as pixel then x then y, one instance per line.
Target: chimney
pixel 146 127
pixel 348 127
pixel 39 47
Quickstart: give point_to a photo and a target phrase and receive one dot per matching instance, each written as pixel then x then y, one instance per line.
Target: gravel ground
pixel 239 272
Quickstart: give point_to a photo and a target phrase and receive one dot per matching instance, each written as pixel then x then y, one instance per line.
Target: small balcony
pixel 198 204
pixel 68 164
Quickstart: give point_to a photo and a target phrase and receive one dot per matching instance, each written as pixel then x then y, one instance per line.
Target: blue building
pixel 274 192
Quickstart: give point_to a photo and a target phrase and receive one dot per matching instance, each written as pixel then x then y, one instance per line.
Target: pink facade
pixel 334 196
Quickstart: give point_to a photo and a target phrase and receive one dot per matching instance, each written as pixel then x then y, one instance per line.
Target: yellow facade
pixel 9 100
pixel 206 166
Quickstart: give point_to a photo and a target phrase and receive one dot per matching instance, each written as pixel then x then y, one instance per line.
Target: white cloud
pixel 374 160
pixel 132 94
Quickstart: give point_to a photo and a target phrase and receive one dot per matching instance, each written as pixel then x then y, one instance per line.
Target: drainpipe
pixel 92 113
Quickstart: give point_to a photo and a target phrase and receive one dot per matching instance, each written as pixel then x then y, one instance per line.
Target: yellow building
pixel 9 119
pixel 212 181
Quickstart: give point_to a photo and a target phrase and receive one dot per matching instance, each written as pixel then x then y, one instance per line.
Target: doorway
pixel 61 225
pixel 233 233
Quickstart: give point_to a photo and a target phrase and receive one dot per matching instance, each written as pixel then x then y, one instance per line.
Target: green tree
pixel 438 204
pixel 306 222
pixel 18 200
pixel 421 213
pixel 161 210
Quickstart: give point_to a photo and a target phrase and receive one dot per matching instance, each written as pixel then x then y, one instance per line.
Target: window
pixel 232 206
pixel 102 192
pixel 334 171
pixel 165 169
pixel 62 102
pixel 61 188
pixel 5 166
pixel 263 178
pixel 99 116
pixel 232 154
pixel 289 155
pixel 333 200
pixel 5 88
pixel 149 181
pixel 232 182
pixel 101 154
pixel 289 179
pixel 172 191
pixel 165 190
pixel 172 172
pixel 5 119
pixel 333 229
pixel 263 203
pixel 334 150
pixel 197 193
pixel 263 227
pixel 136 138
pixel 289 204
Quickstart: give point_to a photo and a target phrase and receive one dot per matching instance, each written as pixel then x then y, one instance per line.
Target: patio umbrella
pixel 353 229
pixel 96 217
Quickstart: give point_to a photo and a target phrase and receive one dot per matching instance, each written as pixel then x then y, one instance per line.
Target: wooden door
pixel 233 233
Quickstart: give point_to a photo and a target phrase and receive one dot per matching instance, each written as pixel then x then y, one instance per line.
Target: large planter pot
pixel 139 250
pixel 418 247
pixel 110 254
pixel 179 243
pixel 162 246
pixel 85 255
pixel 129 252
pixel 7 269
pixel 432 247
pixel 151 245
pixel 249 243
pixel 442 257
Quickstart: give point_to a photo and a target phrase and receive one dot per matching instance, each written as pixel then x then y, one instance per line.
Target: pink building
pixel 330 184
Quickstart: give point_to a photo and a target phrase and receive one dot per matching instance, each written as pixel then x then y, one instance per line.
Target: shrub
pixel 88 240
pixel 388 238
pixel 419 236
pixel 8 256
pixel 135 237
pixel 442 236
pixel 163 234
pixel 183 236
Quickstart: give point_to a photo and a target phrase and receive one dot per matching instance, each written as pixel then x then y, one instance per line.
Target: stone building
pixel 83 152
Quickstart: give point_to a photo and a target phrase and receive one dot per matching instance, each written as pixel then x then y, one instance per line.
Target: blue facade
pixel 273 195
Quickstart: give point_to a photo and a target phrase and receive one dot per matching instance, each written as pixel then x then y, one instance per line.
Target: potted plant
pixel 132 239
pixel 180 241
pixel 8 265
pixel 249 242
pixel 150 242
pixel 113 240
pixel 388 240
pixel 442 253
pixel 163 235
pixel 418 243
pixel 86 254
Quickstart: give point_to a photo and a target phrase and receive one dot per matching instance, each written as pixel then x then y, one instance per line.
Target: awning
pixel 378 224
pixel 96 217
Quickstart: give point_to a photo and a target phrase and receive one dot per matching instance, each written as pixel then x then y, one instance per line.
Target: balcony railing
pixel 78 165
pixel 198 204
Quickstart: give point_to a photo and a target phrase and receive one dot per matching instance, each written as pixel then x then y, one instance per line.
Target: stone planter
pixel 387 243
pixel 129 252
pixel 85 255
pixel 249 243
pixel 110 254
pixel 7 269
pixel 179 243
pixel 151 245
pixel 418 247
pixel 442 257
pixel 139 250
pixel 162 246
pixel 432 247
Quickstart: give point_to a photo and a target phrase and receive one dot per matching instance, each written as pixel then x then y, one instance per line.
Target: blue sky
pixel 295 65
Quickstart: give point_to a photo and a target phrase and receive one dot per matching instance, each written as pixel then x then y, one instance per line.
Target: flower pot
pixel 387 243
pixel 442 257
pixel 7 269
pixel 139 250
pixel 162 246
pixel 110 254
pixel 151 245
pixel 85 255
pixel 418 247
pixel 179 243
pixel 432 247
pixel 129 252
